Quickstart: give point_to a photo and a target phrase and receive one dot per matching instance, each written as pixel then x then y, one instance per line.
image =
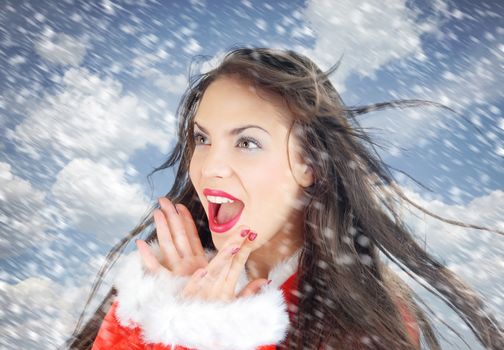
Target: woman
pixel 274 185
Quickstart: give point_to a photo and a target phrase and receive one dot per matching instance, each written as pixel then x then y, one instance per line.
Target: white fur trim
pixel 152 302
pixel 283 270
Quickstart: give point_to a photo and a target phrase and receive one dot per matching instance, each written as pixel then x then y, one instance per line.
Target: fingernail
pixel 269 281
pixel 203 273
pixel 252 236
pixel 245 232
pixel 235 250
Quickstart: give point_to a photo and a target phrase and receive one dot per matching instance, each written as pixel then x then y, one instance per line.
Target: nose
pixel 216 164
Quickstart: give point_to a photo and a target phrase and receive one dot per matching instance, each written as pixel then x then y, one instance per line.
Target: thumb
pixel 253 287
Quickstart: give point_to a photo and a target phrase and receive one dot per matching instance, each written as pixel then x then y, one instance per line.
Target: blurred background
pixel 88 94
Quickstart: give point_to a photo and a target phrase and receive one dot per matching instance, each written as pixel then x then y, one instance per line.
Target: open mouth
pixel 223 216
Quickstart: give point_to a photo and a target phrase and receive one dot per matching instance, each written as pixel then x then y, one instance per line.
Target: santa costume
pixel 149 313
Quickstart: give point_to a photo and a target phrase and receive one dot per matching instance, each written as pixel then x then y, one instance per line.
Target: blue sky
pixel 88 92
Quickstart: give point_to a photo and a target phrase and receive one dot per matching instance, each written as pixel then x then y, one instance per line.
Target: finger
pixel 212 285
pixel 191 230
pixel 237 266
pixel 218 266
pixel 192 285
pixel 150 261
pixel 253 287
pixel 232 244
pixel 220 288
pixel 238 238
pixel 198 274
pixel 225 254
pixel 176 226
pixel 168 250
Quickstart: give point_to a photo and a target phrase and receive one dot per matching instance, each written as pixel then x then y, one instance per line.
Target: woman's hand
pixel 181 250
pixel 182 254
pixel 217 281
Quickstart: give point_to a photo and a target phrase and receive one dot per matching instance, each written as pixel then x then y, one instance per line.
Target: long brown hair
pixel 347 298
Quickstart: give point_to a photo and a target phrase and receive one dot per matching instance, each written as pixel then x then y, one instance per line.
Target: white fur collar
pixel 153 303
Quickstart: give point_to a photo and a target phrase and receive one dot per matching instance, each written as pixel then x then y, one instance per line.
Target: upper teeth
pixel 217 199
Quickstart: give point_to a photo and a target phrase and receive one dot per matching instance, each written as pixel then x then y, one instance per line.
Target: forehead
pixel 236 100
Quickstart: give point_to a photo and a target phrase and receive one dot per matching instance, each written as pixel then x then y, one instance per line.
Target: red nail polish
pixel 252 236
pixel 245 232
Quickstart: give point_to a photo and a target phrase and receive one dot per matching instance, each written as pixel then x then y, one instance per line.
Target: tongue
pixel 227 211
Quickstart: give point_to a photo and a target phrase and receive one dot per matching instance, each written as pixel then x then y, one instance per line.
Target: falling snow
pixel 89 92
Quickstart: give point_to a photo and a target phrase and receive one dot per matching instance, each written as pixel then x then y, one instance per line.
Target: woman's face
pixel 241 149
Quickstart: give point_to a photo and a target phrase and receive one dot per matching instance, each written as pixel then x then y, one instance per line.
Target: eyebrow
pixel 236 131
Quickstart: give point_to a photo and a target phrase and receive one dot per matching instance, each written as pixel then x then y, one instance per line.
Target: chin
pixel 218 240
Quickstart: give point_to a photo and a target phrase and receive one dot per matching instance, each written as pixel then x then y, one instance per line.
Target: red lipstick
pixel 212 211
pixel 210 192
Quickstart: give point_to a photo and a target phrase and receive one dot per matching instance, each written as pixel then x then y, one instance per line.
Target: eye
pixel 198 137
pixel 247 141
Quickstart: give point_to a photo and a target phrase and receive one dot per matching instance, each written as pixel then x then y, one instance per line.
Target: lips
pixel 213 210
pixel 211 192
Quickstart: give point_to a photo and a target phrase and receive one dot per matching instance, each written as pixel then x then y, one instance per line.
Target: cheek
pixel 194 176
pixel 265 180
pixel 194 169
pixel 274 192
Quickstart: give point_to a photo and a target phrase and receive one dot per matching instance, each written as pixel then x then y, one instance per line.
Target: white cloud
pixel 90 117
pixel 369 33
pixel 475 255
pixel 144 64
pixel 477 83
pixel 24 214
pixel 109 7
pixel 175 84
pixel 96 199
pixel 193 47
pixel 61 48
pixel 17 60
pixel 38 310
pixel 483 211
pixel 147 60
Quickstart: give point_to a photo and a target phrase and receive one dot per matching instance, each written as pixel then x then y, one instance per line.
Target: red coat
pixel 148 315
